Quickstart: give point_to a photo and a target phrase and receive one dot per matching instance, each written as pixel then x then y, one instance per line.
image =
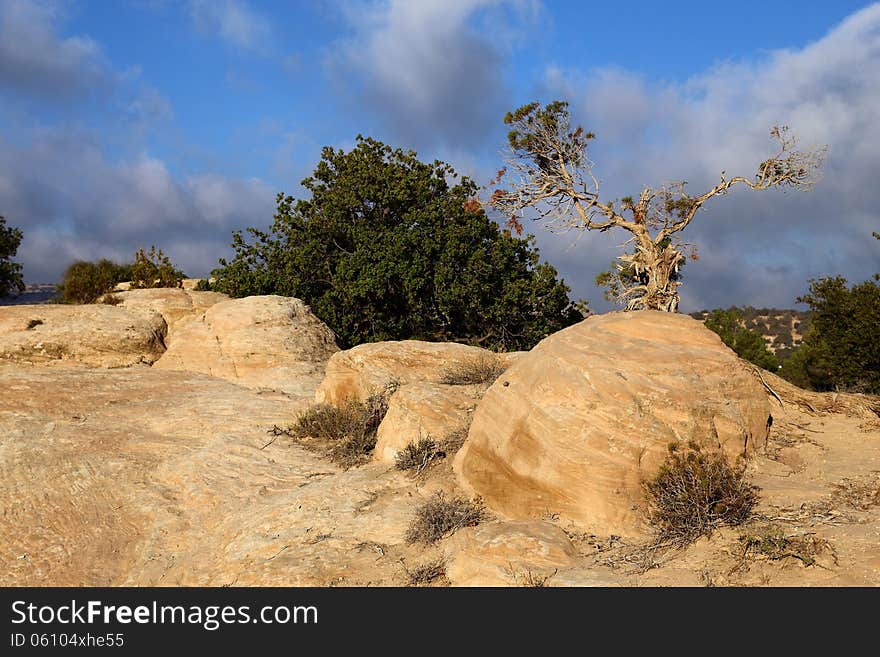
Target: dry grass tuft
pixel 347 433
pixel 481 370
pixel 418 456
pixel 530 579
pixel 441 516
pixel 860 494
pixel 427 573
pixel 111 300
pixel 454 440
pixel 695 492
pixel 771 543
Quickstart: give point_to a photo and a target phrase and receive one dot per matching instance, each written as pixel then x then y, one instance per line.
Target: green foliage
pixel 730 326
pixel 391 248
pixel 534 126
pixel 85 281
pixel 842 348
pixel 10 272
pixel 154 269
pixel 695 492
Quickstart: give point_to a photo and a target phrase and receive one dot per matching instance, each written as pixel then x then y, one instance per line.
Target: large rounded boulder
pixel 576 426
pixel 268 342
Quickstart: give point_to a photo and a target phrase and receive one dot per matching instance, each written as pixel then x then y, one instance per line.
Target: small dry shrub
pixel 441 515
pixel 695 492
pixel 349 430
pixel 529 579
pixel 426 573
pixel 484 369
pixel 861 494
pixel 33 323
pixel 770 542
pixel 418 456
pixel 111 300
pixel 454 440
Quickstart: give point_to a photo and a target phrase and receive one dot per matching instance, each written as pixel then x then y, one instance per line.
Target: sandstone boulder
pixel 357 372
pixel 96 335
pixel 589 413
pixel 422 410
pixel 262 342
pixel 173 303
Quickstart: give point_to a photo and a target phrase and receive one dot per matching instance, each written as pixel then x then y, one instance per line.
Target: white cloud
pixel 424 70
pixel 234 21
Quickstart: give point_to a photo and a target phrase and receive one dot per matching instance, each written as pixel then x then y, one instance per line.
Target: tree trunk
pixel 654 269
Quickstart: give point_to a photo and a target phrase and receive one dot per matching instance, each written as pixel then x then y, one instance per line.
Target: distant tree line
pixel 841 335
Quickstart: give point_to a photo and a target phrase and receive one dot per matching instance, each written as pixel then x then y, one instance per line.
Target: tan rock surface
pixel 174 304
pixel 164 478
pixel 141 476
pixel 590 411
pixel 356 372
pixel 96 335
pixel 518 553
pixel 422 410
pixel 261 342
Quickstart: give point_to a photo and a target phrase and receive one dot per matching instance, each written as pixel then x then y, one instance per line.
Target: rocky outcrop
pixel 516 553
pixel 366 368
pixel 589 413
pixel 96 335
pixel 173 303
pixel 146 478
pixel 267 342
pixel 423 410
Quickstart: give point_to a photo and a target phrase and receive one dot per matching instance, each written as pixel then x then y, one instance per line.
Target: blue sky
pixel 130 122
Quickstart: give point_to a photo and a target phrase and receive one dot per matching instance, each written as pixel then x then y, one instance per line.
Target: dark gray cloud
pixel 756 248
pixel 424 71
pixel 73 202
pixel 36 61
pixel 79 192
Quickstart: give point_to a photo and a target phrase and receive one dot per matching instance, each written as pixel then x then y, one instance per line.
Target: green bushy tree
pixel 10 272
pixel 748 344
pixel 154 269
pixel 85 281
pixel 388 247
pixel 841 349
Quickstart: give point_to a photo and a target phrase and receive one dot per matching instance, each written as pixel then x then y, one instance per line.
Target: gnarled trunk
pixel 654 274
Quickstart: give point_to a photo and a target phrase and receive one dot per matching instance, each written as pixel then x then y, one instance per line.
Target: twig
pixel 767 385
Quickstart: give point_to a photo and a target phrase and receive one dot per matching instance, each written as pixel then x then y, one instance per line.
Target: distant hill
pixel 783 330
pixel 33 294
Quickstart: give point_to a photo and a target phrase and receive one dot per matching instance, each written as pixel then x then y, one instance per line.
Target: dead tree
pixel 549 174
